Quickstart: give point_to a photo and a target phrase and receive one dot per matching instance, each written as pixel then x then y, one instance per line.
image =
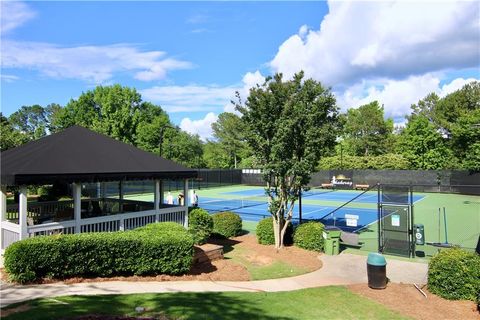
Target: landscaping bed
pixel 245 260
pixel 407 300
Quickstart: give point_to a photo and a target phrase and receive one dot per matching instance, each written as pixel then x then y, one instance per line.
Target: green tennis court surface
pixel 462 212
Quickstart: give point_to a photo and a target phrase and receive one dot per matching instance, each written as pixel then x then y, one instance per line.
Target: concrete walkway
pixel 343 269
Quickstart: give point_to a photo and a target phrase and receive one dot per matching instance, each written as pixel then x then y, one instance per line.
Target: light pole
pixel 162 130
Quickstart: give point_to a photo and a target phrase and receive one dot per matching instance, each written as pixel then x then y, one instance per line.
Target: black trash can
pixel 376 271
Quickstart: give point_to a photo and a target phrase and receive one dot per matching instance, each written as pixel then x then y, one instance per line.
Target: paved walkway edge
pixel 343 269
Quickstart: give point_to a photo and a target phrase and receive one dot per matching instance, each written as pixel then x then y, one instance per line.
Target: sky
pixel 191 57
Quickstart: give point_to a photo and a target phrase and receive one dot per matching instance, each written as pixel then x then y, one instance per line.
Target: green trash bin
pixel 376 271
pixel 332 240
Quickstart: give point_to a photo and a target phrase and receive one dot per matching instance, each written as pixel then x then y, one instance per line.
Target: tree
pixel 30 120
pixel 215 157
pixel 289 125
pixel 366 132
pixel 184 148
pixel 9 136
pixel 151 120
pixel 111 110
pixel 456 118
pixel 53 112
pixel 423 145
pixel 229 132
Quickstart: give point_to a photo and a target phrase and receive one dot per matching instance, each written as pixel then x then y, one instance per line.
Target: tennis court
pixel 318 204
pixel 462 211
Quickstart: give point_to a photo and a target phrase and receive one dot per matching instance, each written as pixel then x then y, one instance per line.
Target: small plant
pixel 455 274
pixel 227 224
pixel 200 225
pixel 309 236
pixel 265 233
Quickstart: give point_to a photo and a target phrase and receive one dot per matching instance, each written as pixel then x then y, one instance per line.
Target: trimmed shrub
pixel 160 249
pixel 309 236
pixel 455 274
pixel 200 225
pixel 227 224
pixel 265 233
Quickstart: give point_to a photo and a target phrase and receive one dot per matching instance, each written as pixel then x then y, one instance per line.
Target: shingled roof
pixel 81 155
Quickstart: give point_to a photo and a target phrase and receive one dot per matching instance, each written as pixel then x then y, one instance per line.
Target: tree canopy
pixel 288 126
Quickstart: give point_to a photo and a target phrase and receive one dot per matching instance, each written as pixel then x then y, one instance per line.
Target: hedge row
pixel 161 248
pixel 455 274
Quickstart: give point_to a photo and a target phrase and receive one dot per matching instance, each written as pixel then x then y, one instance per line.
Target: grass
pixel 333 302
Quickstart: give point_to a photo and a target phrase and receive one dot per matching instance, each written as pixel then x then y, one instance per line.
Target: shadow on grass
pixel 179 305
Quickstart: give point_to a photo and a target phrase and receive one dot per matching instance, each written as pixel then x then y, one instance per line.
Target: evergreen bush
pixel 455 274
pixel 309 236
pixel 227 224
pixel 265 233
pixel 200 225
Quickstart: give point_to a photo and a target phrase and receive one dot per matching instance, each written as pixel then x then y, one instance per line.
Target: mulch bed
pixel 407 300
pixel 219 270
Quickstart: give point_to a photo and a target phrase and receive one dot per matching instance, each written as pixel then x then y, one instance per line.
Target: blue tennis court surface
pixel 251 206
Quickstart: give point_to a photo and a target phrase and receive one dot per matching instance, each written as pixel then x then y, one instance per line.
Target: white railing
pixel 10 233
pixel 117 222
pixel 126 221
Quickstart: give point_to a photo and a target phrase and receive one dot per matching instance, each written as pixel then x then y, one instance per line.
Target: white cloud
pixel 455 85
pixel 95 64
pixel 14 14
pixel 8 77
pixel 190 98
pixel 250 80
pixel 369 40
pixel 397 95
pixel 194 98
pixel 202 127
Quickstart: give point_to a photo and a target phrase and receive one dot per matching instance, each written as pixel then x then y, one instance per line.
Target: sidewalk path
pixel 343 269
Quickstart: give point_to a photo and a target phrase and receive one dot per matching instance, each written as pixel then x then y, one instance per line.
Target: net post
pixel 300 206
pixel 379 208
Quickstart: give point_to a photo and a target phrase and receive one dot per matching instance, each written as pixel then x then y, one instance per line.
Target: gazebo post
pixel 3 203
pixel 22 212
pixel 160 187
pixel 157 198
pixel 77 205
pixel 120 195
pixel 3 211
pixel 185 201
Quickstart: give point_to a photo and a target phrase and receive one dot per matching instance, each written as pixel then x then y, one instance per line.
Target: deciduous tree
pixel 289 124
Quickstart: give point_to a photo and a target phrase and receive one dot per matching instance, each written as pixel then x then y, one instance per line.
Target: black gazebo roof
pixel 81 155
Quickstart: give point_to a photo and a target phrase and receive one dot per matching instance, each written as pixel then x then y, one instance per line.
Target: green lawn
pixel 318 303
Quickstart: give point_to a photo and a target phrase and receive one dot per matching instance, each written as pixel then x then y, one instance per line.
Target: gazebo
pixel 91 165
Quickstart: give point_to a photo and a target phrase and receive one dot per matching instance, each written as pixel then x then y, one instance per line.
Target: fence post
pixel 122 224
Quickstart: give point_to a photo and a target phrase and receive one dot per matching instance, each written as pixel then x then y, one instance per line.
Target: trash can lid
pixel 376 259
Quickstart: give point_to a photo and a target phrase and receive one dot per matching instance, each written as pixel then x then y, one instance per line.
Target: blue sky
pixel 190 57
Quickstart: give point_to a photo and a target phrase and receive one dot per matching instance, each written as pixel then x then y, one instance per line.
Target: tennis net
pixel 233 204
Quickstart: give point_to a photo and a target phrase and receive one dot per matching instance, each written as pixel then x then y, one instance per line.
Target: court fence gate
pixel 395 220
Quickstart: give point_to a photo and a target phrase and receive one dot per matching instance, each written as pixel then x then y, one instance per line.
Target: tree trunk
pixel 235 160
pixel 277 233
